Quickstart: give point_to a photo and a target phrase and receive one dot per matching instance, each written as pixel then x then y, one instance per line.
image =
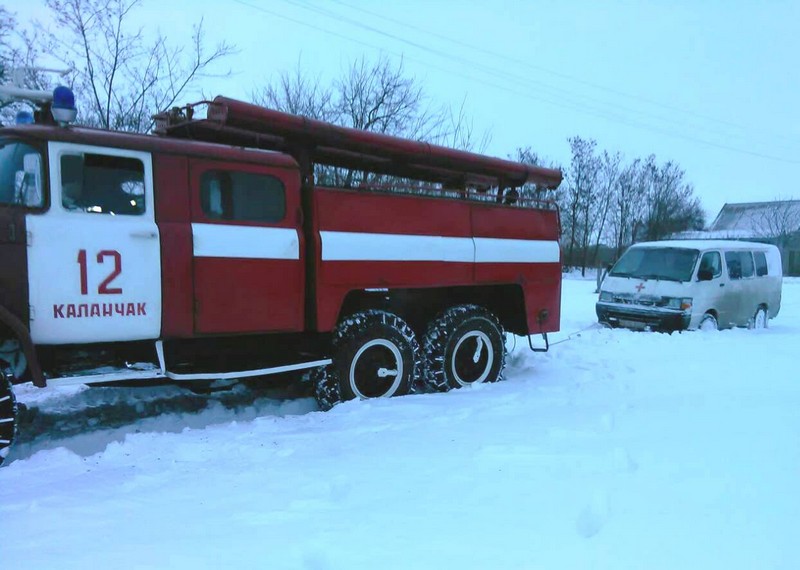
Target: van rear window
pixel 761 263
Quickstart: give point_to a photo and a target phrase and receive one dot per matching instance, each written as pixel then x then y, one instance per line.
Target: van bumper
pixel 642 318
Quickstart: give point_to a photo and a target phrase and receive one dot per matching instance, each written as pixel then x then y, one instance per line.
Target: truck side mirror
pixel 704 275
pixel 28 181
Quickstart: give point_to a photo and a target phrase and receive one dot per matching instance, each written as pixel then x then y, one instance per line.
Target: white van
pixel 697 284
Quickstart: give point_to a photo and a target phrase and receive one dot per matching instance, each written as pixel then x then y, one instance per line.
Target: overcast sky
pixel 712 85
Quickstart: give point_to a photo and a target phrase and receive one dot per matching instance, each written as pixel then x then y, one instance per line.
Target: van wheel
pixel 709 323
pixel 761 318
pixel 464 346
pixel 8 414
pixel 376 355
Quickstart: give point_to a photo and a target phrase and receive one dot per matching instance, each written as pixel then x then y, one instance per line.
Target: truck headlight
pixel 681 303
pixel 606 296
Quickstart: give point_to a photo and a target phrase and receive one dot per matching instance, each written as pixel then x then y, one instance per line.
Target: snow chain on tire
pixel 326 388
pixel 8 413
pixel 463 328
pixel 373 330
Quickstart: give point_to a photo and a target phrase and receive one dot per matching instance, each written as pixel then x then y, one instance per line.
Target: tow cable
pixel 548 344
pixel 577 333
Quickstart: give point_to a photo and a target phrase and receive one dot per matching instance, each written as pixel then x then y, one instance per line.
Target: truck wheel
pixel 376 355
pixel 466 345
pixel 326 387
pixel 8 415
pixel 11 353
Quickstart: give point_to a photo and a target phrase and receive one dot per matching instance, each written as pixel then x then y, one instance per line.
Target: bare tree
pixel 459 131
pixel 608 181
pixel 778 220
pixel 298 93
pixel 122 75
pixel 581 180
pixel 527 155
pixel 626 205
pixel 376 96
pixel 379 96
pixel 19 50
pixel 671 204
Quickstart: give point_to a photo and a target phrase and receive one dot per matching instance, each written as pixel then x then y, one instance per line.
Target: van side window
pixel 761 263
pixel 711 262
pixel 101 184
pixel 748 269
pixel 734 264
pixel 242 196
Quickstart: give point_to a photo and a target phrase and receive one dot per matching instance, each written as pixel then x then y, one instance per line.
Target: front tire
pixel 376 355
pixel 326 387
pixel 464 346
pixel 708 323
pixel 8 415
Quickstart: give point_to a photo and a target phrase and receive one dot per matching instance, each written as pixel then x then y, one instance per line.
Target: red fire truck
pixel 208 251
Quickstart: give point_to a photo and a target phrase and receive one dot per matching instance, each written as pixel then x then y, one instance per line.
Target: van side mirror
pixel 705 275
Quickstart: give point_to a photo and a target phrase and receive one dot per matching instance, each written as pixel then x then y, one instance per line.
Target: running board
pixel 247 373
pixel 161 373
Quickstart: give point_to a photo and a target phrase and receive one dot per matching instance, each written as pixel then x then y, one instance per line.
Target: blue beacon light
pixel 63 107
pixel 24 118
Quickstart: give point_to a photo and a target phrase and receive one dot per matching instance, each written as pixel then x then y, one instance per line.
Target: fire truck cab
pixel 215 250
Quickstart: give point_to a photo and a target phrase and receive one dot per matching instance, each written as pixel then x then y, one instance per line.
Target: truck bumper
pixel 642 318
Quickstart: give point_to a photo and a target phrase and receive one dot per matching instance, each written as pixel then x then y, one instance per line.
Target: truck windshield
pixel 20 175
pixel 669 263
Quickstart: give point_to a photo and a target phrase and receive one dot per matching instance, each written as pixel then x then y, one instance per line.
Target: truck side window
pixel 100 184
pixel 711 262
pixel 734 264
pixel 242 196
pixel 761 263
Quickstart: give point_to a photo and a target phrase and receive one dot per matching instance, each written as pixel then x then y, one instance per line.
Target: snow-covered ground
pixel 614 450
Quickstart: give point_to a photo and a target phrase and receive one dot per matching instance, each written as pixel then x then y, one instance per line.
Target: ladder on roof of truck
pixel 237 123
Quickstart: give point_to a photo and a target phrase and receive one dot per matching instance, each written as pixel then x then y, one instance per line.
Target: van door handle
pixel 722 284
pixel 145 234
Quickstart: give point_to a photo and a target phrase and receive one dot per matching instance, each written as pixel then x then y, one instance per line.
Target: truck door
pixel 94 256
pixel 21 192
pixel 247 246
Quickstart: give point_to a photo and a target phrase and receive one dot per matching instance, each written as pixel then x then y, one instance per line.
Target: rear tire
pixel 8 415
pixel 464 346
pixel 761 318
pixel 376 355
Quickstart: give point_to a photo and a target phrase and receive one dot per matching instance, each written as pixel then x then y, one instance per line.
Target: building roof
pixel 757 219
pixel 704 244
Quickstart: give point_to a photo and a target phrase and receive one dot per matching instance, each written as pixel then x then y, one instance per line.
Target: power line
pixel 515 78
pixel 554 73
pixel 583 108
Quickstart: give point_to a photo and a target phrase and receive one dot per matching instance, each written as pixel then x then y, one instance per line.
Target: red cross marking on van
pixel 639 287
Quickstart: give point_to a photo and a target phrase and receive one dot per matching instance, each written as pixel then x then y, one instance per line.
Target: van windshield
pixel 668 263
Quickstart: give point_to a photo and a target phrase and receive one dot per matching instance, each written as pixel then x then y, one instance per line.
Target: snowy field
pixel 614 450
